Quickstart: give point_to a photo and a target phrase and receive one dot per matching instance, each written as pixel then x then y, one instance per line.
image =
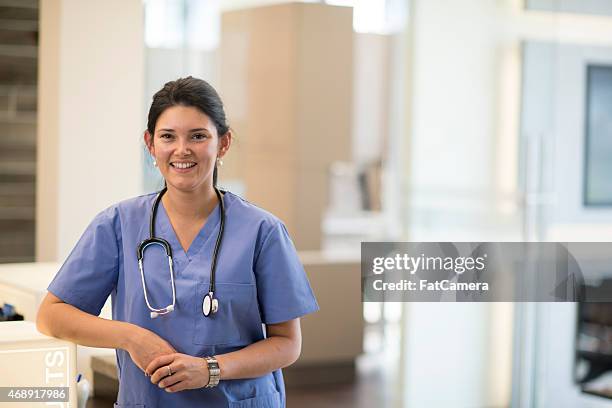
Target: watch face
pixel 206 305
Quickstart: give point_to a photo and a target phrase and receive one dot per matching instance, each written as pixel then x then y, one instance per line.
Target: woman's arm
pixel 280 349
pixel 58 319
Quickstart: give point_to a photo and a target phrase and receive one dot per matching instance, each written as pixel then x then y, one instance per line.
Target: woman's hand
pixel 178 372
pixel 144 346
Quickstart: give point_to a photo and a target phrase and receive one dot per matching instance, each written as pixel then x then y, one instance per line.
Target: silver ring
pixel 169 371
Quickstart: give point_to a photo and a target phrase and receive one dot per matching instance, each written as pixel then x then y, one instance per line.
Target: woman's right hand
pixel 144 346
pixel 62 320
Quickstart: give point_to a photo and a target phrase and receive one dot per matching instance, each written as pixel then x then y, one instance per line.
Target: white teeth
pixel 183 165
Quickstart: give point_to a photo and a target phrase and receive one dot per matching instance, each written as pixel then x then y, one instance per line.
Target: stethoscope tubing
pixel 155 312
pixel 213 267
pixel 153 240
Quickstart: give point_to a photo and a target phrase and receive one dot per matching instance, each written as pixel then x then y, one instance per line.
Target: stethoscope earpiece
pixel 163 311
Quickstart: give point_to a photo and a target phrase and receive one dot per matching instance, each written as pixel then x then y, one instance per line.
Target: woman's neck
pixel 194 205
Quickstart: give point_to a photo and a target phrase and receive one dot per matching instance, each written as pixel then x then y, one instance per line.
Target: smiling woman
pixel 186 125
pixel 232 268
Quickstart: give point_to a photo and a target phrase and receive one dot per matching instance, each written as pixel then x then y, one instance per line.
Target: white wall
pixel 463 122
pixel 90 119
pixel 462 158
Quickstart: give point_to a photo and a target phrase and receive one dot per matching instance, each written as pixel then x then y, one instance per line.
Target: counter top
pixel 13 332
pixel 32 277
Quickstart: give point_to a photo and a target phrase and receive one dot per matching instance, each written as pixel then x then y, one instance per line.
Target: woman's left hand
pixel 178 372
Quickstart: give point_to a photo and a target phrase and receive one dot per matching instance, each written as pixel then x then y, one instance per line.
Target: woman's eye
pixel 166 135
pixel 199 136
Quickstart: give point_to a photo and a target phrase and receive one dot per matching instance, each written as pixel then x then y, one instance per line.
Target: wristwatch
pixel 214 372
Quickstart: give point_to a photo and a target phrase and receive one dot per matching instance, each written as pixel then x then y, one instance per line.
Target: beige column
pixel 286 78
pixel 90 115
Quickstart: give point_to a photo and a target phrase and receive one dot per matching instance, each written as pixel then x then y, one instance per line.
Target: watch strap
pixel 214 372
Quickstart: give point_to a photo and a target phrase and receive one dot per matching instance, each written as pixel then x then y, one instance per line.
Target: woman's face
pixel 186 146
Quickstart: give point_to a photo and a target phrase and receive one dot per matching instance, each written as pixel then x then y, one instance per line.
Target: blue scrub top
pixel 259 280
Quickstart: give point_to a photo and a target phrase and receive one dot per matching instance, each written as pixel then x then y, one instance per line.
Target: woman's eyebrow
pixel 190 130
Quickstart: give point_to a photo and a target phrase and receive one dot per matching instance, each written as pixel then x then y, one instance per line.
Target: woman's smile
pixel 183 166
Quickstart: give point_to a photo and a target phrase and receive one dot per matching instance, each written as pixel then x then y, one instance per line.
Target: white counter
pixel 31 359
pixel 24 285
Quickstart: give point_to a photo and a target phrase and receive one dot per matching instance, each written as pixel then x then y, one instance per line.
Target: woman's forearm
pixel 257 359
pixel 66 322
pixel 281 349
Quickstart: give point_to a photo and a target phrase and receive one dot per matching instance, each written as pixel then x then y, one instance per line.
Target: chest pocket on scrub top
pixel 229 326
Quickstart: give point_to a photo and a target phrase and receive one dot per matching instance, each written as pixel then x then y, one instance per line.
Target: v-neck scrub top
pixel 259 280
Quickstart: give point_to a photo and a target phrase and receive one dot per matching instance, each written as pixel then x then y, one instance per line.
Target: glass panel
pixel 598 188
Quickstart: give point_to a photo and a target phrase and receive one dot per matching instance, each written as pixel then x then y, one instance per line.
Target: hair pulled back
pixel 189 91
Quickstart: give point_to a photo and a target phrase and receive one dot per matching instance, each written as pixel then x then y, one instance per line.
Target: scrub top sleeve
pixel 283 290
pixel 90 272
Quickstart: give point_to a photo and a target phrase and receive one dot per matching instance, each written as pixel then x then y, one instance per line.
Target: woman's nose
pixel 183 147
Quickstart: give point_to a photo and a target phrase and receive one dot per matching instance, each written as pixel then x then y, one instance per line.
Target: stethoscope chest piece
pixel 210 305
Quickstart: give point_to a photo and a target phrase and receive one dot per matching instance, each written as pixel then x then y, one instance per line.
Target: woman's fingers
pixel 156 367
pixel 187 372
pixel 171 380
pixel 179 386
pixel 160 374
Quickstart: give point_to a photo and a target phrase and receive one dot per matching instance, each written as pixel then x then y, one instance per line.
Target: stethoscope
pixel 210 304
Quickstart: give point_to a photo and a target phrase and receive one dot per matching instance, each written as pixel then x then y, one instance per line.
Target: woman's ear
pixel 225 142
pixel 148 139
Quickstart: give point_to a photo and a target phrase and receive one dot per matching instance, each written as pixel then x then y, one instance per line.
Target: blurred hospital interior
pixel 354 121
